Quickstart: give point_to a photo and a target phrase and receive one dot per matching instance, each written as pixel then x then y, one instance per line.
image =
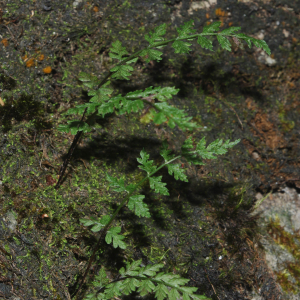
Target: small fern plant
pixel 146 279
pixel 103 100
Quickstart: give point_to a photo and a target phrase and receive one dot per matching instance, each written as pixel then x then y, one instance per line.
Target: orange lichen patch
pixel 294 40
pixel 41 57
pixel 95 9
pixel 220 12
pixel 30 63
pixel 291 85
pixel 47 70
pixel 4 42
pixel 230 24
pixel 208 23
pixel 207 15
pixel 267 131
pixel 24 57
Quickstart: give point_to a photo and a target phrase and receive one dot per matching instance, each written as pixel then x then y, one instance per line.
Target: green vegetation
pixel 105 101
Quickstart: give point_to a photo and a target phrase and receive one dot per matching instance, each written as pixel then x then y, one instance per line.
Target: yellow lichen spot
pixel 4 42
pixel 47 70
pixel 146 118
pixel 41 57
pixel 30 63
pixel 220 12
pixel 291 85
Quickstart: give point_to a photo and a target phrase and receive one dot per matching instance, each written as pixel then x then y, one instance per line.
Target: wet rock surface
pixel 206 228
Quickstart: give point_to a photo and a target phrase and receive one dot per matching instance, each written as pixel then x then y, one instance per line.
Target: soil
pixel 207 229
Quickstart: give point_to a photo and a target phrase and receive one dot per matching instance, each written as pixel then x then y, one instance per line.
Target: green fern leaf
pixel 74 127
pixel 165 93
pixel 160 93
pixel 88 222
pixel 158 186
pixel 114 290
pixel 79 109
pixel 101 279
pixel 146 165
pixel 152 54
pixel 137 205
pixel 100 95
pixel 146 287
pixel 109 106
pixel 215 148
pixel 172 279
pixel 183 32
pixel 118 50
pixel 95 296
pixel 173 294
pixel 150 270
pixel 132 61
pixel 187 144
pixel 256 42
pixel 229 30
pixel 188 296
pixel 186 29
pixel 211 27
pixel 98 224
pixel 88 80
pixel 113 236
pixel 165 152
pixel 118 185
pixel 177 171
pixel 175 116
pixel 224 42
pixel 132 269
pixel 181 47
pixel 156 35
pixel 97 96
pixel 121 72
pixel 161 291
pixel 190 156
pixel 160 118
pixel 85 77
pixel 205 42
pixel 129 285
pixel 131 106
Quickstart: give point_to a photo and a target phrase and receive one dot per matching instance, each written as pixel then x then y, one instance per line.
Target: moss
pixel 289 278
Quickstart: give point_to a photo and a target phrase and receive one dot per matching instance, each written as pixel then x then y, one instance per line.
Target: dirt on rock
pixel 207 229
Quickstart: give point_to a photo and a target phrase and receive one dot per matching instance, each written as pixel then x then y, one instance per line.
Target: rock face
pixel 279 217
pixel 242 94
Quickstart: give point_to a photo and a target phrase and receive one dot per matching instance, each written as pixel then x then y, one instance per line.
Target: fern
pixel 144 280
pixel 135 202
pixel 134 277
pixel 103 103
pixel 167 285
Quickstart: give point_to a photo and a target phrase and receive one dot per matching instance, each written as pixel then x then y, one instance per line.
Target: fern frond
pixel 146 280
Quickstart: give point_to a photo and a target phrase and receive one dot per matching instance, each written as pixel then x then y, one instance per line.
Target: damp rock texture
pixel 204 230
pixel 279 221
